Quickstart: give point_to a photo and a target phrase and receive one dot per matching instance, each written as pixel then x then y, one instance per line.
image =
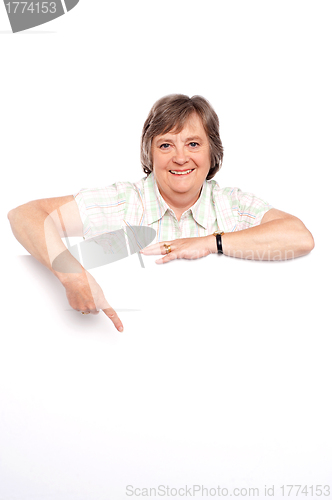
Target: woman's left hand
pixel 183 248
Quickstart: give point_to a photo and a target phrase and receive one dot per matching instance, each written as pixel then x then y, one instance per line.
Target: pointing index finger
pixel 114 317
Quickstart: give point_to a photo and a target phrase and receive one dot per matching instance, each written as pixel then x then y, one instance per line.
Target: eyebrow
pixel 190 139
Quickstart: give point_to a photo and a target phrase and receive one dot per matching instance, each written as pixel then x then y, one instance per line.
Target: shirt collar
pixel 201 209
pixel 156 206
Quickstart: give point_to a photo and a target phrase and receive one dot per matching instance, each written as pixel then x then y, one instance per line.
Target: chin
pixel 182 190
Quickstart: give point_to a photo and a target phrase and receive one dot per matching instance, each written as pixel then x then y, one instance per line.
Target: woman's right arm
pixel 39 226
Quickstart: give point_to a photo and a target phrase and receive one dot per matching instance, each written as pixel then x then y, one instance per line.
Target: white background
pixel 222 376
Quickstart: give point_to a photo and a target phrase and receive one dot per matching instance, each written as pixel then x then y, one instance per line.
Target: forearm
pixel 38 234
pixel 39 230
pixel 279 239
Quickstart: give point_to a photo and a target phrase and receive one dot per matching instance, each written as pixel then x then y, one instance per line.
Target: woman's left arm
pixel 280 236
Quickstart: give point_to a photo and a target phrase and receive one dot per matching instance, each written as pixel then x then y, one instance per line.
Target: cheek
pixel 205 161
pixel 159 161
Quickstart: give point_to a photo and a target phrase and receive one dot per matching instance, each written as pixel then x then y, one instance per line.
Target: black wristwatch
pixel 218 235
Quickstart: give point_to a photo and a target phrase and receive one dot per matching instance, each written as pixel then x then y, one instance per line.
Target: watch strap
pixel 219 243
pixel 218 235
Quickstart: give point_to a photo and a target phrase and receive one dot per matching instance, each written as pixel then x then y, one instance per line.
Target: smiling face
pixel 181 162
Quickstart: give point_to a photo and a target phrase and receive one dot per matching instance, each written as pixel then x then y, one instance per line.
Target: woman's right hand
pixel 85 295
pixel 39 226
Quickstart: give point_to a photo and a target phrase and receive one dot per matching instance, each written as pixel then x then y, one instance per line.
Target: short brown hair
pixel 171 113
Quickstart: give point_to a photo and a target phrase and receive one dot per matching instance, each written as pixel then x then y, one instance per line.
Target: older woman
pixel 181 151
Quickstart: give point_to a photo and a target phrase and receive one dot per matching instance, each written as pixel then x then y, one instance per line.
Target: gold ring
pixel 168 248
pixel 82 312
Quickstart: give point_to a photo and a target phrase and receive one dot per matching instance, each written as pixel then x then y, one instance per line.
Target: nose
pixel 180 156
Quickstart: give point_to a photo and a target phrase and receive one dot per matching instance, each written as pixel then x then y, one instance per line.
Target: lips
pixel 181 172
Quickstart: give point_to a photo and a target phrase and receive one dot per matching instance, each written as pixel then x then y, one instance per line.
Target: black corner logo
pixel 25 15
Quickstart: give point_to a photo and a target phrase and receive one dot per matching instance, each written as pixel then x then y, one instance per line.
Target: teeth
pixel 181 173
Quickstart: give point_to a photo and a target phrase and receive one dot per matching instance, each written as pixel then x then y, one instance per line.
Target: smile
pixel 179 172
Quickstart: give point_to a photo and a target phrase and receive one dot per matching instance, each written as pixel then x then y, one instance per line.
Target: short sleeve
pixel 237 210
pixel 248 210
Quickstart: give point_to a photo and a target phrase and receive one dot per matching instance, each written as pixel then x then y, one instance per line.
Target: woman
pixel 181 151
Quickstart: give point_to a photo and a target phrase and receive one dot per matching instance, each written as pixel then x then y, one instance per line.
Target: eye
pixel 165 146
pixel 193 144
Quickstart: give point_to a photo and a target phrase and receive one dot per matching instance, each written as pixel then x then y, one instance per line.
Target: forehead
pixel 193 126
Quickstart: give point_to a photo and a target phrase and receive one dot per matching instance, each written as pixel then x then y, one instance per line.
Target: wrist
pixel 66 268
pixel 68 278
pixel 212 245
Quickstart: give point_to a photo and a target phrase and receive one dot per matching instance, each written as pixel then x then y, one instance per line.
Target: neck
pixel 181 203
